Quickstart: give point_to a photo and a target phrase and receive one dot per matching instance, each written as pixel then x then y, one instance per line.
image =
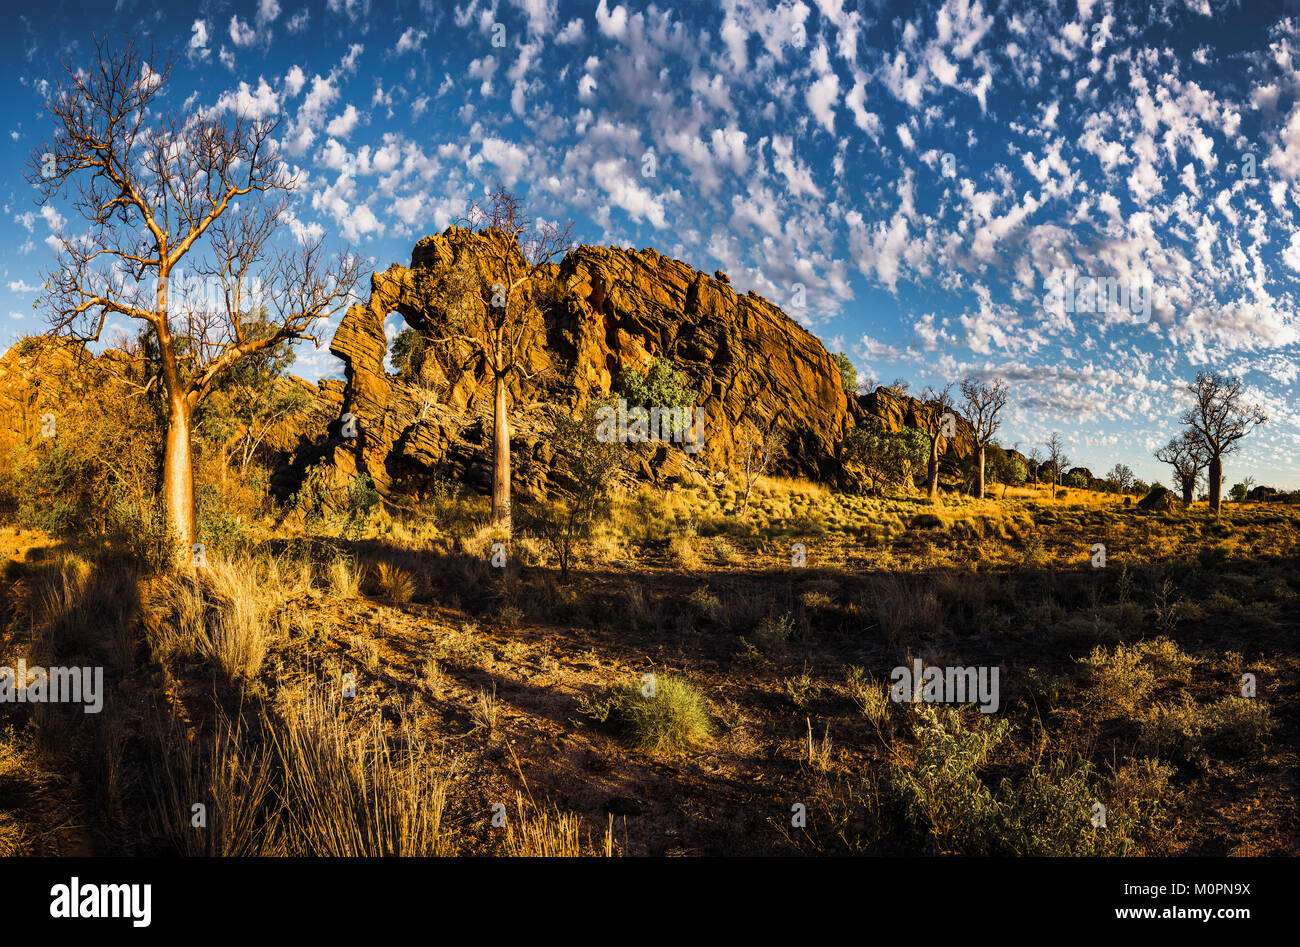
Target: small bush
pixel 1119 680
pixel 671 716
pixel 393 582
pixel 870 694
pixel 773 631
pixel 1189 729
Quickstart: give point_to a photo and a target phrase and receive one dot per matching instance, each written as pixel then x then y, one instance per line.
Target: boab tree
pixel 940 424
pixel 491 311
pixel 983 402
pixel 1220 417
pixel 1188 455
pixel 158 189
pixel 1056 456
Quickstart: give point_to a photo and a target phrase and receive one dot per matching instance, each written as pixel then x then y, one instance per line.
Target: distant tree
pixel 1219 414
pixel 848 374
pixel 983 402
pixel 1056 456
pixel 1141 487
pixel 1120 478
pixel 1241 491
pixel 900 387
pixel 757 444
pixel 939 419
pixel 1075 480
pixel 408 352
pixel 1035 461
pixel 887 458
pixel 1188 455
pixel 492 314
pixel 161 189
pixel 247 403
pixel 1005 467
pixel 586 466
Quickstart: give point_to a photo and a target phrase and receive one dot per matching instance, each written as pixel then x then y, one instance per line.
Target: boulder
pixel 1160 500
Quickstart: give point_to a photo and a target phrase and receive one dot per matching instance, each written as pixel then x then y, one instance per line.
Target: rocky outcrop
pixel 27 371
pixel 897 411
pixel 600 312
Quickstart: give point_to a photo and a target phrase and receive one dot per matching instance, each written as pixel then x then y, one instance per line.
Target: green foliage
pixel 408 352
pixel 247 400
pixel 1001 466
pixel 218 527
pixel 96 477
pixel 660 714
pixel 1076 481
pixel 937 802
pixel 887 458
pixel 848 374
pixel 585 468
pixel 663 387
pixel 322 504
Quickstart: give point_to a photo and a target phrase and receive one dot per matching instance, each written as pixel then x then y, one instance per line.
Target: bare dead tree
pixel 156 189
pixel 491 312
pixel 1221 418
pixel 939 401
pixel 1188 455
pixel 758 444
pixel 1056 456
pixel 983 402
pixel 1036 458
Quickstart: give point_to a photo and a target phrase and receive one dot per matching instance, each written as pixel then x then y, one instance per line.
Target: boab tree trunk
pixel 501 453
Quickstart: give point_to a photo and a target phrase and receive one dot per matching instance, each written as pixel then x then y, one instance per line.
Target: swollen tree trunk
pixel 932 471
pixel 979 477
pixel 1189 487
pixel 1216 482
pixel 501 455
pixel 178 474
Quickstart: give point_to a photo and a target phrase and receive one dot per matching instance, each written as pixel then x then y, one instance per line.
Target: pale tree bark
pixel 157 189
pixel 940 403
pixel 983 403
pixel 1221 419
pixel 501 453
pixel 516 250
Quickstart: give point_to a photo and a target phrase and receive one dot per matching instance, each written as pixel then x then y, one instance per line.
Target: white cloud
pixel 410 40
pixel 241 34
pixel 247 101
pixel 343 125
pixel 572 32
pixel 821 97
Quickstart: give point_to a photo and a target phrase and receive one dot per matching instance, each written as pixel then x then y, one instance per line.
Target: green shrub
pixel 661 715
pixel 664 386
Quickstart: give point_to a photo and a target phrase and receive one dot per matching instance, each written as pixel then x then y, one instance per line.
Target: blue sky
pixel 930 174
